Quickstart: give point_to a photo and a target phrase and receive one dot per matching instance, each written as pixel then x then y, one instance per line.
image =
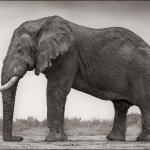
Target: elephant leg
pixel 145 111
pixel 119 127
pixel 56 99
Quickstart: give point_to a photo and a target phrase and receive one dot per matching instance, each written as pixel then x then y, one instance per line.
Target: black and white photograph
pixel 75 75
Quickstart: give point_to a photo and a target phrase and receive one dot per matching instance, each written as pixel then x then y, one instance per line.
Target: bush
pixel 134 119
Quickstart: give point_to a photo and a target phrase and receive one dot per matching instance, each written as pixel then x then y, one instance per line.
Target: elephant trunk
pixel 8 110
pixel 8 97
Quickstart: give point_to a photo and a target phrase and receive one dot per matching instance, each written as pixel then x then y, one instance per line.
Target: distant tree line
pixel 74 125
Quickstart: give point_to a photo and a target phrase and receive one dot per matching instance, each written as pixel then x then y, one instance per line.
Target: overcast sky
pixel 31 94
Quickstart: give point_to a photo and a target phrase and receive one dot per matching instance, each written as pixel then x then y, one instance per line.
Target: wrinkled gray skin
pixel 110 64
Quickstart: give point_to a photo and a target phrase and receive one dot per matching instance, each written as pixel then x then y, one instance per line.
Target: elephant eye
pixel 20 50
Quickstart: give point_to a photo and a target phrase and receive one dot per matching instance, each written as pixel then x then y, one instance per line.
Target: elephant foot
pixel 14 139
pixel 115 137
pixel 143 137
pixel 53 137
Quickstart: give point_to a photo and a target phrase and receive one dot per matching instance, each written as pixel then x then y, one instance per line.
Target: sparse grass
pixel 74 126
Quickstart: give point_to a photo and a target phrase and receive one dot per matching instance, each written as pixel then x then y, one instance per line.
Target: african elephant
pixel 110 64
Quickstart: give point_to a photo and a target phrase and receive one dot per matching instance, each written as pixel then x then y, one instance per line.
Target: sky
pixel 31 93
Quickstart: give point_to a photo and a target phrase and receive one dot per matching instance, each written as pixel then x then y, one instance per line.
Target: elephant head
pixel 33 45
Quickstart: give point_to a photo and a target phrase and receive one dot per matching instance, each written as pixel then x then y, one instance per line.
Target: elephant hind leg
pixel 145 111
pixel 141 98
pixel 119 127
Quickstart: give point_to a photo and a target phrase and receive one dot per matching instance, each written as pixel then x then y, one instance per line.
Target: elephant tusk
pixel 9 84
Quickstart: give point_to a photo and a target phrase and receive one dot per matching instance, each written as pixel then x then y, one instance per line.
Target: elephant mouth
pixel 9 84
pixel 12 73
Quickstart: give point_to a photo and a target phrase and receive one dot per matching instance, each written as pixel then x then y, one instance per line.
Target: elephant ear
pixel 54 38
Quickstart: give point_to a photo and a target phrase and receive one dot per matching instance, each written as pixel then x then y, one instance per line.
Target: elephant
pixel 108 63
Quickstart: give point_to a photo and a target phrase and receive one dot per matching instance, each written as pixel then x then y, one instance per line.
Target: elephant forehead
pixel 32 27
pixel 23 40
pixel 24 37
pixel 29 27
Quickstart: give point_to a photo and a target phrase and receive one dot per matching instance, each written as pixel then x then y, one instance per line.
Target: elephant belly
pixel 80 85
pixel 109 95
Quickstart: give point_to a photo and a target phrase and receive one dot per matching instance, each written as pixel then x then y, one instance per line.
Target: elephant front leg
pixel 56 99
pixel 119 127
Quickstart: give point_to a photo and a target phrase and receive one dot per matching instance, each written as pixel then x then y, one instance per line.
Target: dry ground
pixel 33 140
pixel 75 142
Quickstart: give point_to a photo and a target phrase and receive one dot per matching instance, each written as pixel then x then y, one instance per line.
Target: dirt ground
pixel 34 139
pixel 75 142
